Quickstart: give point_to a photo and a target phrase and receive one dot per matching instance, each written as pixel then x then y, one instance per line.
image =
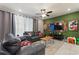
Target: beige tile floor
pixel 68 49
pixel 61 48
pixel 52 48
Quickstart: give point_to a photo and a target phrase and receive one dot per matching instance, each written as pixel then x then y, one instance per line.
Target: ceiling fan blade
pixel 47 15
pixel 49 11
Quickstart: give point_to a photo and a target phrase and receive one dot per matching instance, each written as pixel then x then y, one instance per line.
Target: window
pixel 28 24
pixel 23 24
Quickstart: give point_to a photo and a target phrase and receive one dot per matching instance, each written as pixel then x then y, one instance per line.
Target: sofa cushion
pixel 24 43
pixel 32 50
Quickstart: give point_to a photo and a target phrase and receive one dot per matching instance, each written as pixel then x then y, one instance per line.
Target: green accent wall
pixel 67 18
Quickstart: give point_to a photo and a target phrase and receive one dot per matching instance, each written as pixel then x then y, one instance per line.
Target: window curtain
pixel 23 24
pixel 19 25
pixel 1 26
pixel 28 24
pixel 35 25
pixel 5 24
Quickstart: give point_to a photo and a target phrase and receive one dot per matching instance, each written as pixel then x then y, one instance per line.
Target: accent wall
pixel 66 19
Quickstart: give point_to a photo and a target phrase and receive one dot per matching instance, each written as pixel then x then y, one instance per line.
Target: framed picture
pixel 73 25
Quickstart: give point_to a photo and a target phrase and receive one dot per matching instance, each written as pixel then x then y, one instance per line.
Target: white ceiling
pixel 31 9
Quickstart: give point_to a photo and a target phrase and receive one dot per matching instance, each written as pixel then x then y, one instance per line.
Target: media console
pixel 58 36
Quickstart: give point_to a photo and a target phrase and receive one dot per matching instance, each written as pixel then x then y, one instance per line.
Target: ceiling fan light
pixel 43 15
pixel 43 12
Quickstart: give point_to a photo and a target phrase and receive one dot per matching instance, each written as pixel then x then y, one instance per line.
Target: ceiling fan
pixel 45 13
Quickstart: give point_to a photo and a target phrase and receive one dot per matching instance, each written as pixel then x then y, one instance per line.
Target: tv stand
pixel 58 36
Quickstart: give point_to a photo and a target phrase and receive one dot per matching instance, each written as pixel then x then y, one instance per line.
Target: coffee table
pixel 47 39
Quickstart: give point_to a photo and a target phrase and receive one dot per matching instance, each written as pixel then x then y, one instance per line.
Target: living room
pixel 39 28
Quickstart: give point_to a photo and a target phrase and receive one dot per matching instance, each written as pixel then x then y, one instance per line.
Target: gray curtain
pixel 6 24
pixel 1 25
pixel 13 24
pixel 35 25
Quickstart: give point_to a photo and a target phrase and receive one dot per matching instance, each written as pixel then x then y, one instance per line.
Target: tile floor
pixel 61 48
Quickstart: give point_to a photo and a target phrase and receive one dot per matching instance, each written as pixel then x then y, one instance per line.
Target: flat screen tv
pixel 58 27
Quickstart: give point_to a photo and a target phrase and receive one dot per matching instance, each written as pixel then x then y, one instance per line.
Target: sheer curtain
pixel 23 24
pixel 28 24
